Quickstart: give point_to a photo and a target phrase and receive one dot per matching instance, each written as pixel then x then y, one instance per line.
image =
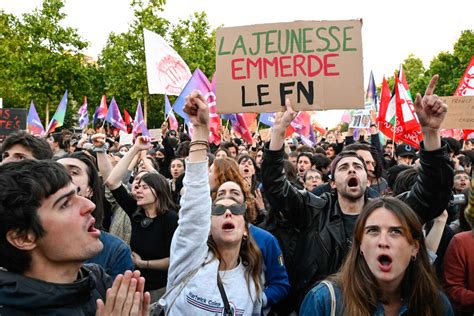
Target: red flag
pixel 251 120
pixel 126 117
pixel 385 97
pixel 240 126
pixel 388 118
pixel 405 108
pixel 214 119
pixel 128 121
pixel 317 126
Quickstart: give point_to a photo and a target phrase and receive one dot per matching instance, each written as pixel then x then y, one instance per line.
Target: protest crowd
pixel 203 219
pixel 181 226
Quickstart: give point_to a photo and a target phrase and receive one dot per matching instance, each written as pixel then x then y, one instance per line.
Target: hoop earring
pixel 413 258
pixel 244 238
pixel 361 253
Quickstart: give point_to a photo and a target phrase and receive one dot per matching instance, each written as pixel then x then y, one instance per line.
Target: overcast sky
pixel 391 29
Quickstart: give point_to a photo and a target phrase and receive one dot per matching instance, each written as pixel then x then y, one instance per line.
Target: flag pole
pixel 395 127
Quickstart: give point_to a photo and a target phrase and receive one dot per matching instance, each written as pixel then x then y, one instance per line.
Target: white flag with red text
pixel 167 73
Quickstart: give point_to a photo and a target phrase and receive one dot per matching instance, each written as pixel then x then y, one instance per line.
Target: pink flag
pixel 301 124
pixel 102 110
pixel 346 117
pixel 214 119
pixel 33 122
pixel 139 126
pixel 170 114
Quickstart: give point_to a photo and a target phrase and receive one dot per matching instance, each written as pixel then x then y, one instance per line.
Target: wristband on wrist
pixel 101 149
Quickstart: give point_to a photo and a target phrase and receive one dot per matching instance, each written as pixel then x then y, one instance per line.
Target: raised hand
pixel 197 109
pixel 284 119
pixel 431 110
pixel 142 143
pixel 98 140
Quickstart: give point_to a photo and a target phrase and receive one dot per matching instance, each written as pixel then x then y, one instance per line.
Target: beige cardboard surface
pixel 460 112
pixel 155 134
pixel 317 64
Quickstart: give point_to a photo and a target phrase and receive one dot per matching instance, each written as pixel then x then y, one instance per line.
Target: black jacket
pixel 20 295
pixel 322 244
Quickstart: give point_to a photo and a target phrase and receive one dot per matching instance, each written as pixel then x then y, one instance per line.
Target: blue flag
pixel 267 119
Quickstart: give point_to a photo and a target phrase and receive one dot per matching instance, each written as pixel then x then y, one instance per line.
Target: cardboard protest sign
pixel 155 134
pixel 125 138
pixel 12 120
pixel 460 112
pixel 360 119
pixel 317 64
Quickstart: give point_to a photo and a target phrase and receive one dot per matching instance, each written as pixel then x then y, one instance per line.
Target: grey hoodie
pixel 192 275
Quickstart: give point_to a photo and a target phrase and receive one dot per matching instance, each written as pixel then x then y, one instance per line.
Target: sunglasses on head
pixel 235 209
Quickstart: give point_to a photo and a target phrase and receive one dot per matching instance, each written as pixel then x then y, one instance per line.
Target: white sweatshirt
pixel 193 266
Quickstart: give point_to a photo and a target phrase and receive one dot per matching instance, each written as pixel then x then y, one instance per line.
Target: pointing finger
pixel 418 101
pixel 432 85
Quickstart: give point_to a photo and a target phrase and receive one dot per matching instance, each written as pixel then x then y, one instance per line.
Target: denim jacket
pixel 318 302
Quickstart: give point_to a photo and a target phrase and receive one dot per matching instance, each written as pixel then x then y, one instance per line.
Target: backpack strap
pixel 333 296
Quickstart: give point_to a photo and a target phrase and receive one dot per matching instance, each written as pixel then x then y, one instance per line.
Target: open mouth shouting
pixel 92 230
pixel 353 182
pixel 385 262
pixel 228 226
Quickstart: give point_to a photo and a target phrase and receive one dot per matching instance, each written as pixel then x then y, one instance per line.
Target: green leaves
pixel 449 66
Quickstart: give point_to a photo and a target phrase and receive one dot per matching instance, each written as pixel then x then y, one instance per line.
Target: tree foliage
pixel 40 59
pixel 122 61
pixel 449 66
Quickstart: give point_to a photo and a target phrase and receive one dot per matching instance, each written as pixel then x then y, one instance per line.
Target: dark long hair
pixel 419 287
pixel 94 182
pixel 245 158
pixel 162 191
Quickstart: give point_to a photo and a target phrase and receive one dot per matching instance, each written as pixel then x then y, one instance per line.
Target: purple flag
pixel 198 81
pixel 371 94
pixel 114 117
pixel 267 119
pixel 33 122
pixel 170 114
pixel 83 115
pixel 139 126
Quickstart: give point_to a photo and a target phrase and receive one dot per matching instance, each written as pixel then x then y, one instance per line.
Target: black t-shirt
pixel 349 225
pixel 152 242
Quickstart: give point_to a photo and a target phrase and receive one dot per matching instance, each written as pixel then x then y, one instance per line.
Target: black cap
pixel 405 150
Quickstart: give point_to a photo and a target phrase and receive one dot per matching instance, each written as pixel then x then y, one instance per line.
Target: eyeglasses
pixel 235 209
